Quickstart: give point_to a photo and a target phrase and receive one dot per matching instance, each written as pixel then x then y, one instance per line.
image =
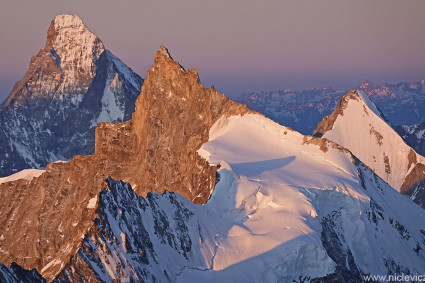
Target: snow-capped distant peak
pixel 367 86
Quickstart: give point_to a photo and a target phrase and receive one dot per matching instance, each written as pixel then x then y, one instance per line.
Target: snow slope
pixel 27 174
pixel 360 127
pixel 286 207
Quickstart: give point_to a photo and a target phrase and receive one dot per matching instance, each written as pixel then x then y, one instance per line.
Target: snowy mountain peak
pixel 72 84
pixel 74 47
pixel 358 125
pixel 66 65
pixel 354 97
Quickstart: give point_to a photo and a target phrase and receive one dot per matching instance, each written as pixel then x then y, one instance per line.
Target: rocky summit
pixel 71 84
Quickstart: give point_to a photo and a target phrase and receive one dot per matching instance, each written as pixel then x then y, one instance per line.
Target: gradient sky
pixel 239 46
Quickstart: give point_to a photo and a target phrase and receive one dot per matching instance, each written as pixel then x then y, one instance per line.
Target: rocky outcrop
pixel 46 218
pixel 71 84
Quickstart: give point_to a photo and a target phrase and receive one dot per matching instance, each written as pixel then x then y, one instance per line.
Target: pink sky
pixel 239 46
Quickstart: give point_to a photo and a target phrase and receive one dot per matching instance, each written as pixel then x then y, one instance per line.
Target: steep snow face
pixel 286 207
pixel 138 239
pixel 120 79
pixel 359 126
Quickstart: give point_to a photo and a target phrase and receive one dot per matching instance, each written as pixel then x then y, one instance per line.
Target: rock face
pixel 302 110
pixel 46 218
pixel 358 125
pixel 71 84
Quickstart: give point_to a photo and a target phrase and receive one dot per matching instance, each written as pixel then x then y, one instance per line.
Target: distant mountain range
pixel 402 104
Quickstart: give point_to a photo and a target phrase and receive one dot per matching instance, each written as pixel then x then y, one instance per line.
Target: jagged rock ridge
pixel 155 151
pixel 71 84
pixel 357 124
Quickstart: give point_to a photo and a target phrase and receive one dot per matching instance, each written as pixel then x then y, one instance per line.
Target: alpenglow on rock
pixel 154 151
pixel 295 209
pixel 71 84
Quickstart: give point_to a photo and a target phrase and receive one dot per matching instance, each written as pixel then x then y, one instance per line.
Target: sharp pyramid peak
pixel 361 97
pixel 350 99
pixel 73 45
pixel 68 60
pixel 68 30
